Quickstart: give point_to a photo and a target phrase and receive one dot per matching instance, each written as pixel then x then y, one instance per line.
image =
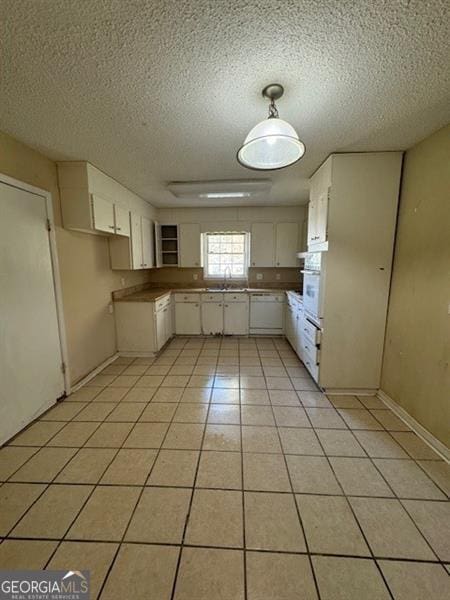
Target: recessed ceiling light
pixel 225 195
pixel 237 188
pixel 272 144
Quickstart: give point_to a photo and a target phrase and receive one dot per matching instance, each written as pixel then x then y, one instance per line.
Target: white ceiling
pixel 167 90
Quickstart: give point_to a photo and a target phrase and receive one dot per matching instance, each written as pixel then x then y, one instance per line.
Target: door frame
pixel 47 196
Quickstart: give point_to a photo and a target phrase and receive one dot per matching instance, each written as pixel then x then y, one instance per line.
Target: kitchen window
pixel 225 254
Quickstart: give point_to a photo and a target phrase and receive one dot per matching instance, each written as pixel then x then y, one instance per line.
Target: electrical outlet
pixel 259 276
pixel 278 276
pixel 111 308
pixel 122 281
pixel 195 276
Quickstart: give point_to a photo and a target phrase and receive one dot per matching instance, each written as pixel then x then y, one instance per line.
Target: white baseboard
pixel 419 429
pixel 350 391
pixel 93 373
pixel 137 354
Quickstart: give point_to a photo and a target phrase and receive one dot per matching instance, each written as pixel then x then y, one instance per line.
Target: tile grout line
pixel 188 514
pixel 244 539
pixel 121 542
pixel 94 487
pixel 300 520
pixel 357 521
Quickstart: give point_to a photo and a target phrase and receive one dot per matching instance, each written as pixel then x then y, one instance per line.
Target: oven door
pixel 311 295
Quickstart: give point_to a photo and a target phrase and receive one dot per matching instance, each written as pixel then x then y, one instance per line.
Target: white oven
pixel 312 295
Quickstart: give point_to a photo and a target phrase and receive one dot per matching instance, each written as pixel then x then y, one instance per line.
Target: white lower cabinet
pixel 212 318
pixel 290 323
pixel 235 317
pixel 303 336
pixel 163 326
pixel 187 317
pixel 143 327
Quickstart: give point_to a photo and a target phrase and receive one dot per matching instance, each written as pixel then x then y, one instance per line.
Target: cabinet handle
pixel 278 264
pixel 226 305
pixel 119 228
pixel 144 265
pixel 111 226
pixel 196 305
pixel 253 263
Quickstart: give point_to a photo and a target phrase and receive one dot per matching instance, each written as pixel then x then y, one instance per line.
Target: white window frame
pixel 206 274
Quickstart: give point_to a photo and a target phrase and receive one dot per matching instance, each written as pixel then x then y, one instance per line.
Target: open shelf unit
pixel 169 245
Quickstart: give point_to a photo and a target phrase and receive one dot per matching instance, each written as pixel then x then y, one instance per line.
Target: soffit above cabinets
pixel 152 92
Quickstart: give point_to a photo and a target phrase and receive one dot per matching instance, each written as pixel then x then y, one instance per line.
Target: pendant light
pixel 273 143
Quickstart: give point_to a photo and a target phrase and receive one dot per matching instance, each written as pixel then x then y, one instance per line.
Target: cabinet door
pixel 212 318
pixel 168 322
pixel 286 245
pixel 187 318
pixel 312 219
pixel 102 214
pixel 122 220
pixel 157 234
pixel 322 216
pixel 189 244
pixel 262 245
pixel 236 318
pixel 289 325
pixel 136 241
pixel 147 243
pixel 160 329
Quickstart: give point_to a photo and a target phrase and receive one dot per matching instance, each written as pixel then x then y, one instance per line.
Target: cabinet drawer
pixel 310 331
pixel 214 297
pixel 238 297
pixel 312 367
pixel 162 302
pixel 310 352
pixel 187 297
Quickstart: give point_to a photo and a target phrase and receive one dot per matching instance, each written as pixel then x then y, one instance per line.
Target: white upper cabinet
pixel 102 214
pixel 93 202
pixel 134 252
pixel 189 244
pixel 318 205
pixel 135 247
pixel 287 244
pixel 262 245
pixel 121 221
pixel 147 243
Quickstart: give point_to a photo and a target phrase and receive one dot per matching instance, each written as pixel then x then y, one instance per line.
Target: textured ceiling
pixel 158 91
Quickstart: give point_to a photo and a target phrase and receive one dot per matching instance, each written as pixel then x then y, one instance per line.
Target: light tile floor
pixel 218 470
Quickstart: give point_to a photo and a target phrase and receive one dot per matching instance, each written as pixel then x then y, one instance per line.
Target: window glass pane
pixel 225 252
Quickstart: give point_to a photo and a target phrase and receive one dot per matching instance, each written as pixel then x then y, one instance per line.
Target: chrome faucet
pixel 225 271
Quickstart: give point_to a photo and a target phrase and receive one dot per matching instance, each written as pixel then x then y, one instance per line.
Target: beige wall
pixel 87 280
pixel 416 371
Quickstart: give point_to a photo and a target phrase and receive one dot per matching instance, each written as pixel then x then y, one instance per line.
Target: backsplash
pixel 174 277
pixel 288 278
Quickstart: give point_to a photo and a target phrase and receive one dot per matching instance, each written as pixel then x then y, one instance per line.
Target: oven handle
pixel 309 272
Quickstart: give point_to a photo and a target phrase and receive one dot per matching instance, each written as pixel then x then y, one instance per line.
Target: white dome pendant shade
pixel 273 143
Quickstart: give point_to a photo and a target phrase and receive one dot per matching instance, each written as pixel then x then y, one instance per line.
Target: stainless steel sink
pixel 229 290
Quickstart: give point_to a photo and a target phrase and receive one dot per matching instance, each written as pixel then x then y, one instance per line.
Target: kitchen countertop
pixel 151 295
